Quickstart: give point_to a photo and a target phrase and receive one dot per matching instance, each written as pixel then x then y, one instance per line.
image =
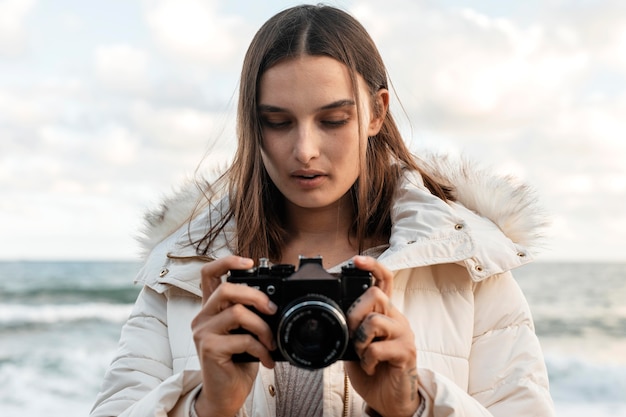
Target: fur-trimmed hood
pixel 507 201
pixel 504 201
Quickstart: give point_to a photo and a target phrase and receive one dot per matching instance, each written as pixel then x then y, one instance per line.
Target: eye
pixel 336 118
pixel 335 123
pixel 275 123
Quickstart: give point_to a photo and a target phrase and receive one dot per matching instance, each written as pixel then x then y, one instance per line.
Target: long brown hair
pixel 255 204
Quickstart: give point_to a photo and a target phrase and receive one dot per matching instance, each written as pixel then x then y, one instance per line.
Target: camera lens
pixel 312 332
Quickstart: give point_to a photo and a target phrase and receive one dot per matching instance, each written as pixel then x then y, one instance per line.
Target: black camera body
pixel 310 326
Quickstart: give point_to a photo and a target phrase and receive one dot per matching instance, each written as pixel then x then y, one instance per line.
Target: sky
pixel 107 106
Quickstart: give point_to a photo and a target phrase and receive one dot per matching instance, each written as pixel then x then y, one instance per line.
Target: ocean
pixel 60 323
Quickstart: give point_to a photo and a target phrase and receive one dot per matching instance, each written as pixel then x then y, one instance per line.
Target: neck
pixel 322 222
pixel 321 231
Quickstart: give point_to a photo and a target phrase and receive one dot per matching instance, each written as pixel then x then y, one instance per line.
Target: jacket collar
pixel 426 230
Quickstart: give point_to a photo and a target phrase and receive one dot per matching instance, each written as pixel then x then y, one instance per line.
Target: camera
pixel 310 326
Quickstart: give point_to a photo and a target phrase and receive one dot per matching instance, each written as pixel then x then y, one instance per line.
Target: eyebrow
pixel 267 108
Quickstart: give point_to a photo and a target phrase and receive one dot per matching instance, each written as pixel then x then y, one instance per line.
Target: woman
pixel 321 169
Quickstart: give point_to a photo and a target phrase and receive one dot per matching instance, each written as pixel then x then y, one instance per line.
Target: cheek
pixel 350 159
pixel 266 158
pixel 271 161
pixel 357 151
pixel 271 146
pixel 266 148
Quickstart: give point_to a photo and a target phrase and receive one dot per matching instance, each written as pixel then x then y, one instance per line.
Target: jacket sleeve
pixel 139 381
pixel 507 373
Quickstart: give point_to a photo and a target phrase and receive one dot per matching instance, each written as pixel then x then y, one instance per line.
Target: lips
pixel 308 178
pixel 307 174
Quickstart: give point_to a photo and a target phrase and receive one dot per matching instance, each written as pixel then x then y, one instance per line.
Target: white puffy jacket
pixel 477 351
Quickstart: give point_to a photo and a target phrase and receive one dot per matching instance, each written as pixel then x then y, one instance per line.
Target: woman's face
pixel 312 145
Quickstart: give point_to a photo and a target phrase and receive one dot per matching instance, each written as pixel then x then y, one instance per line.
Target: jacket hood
pixel 507 202
pixel 174 210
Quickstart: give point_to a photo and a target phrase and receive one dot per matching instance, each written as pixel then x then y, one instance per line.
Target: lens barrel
pixel 312 332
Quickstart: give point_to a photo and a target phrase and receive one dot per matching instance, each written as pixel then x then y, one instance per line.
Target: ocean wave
pixel 53 375
pixel 20 315
pixel 568 409
pixel 70 294
pixel 610 326
pixel 67 282
pixel 575 380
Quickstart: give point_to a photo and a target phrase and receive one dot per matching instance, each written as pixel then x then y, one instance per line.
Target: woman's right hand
pixel 227 384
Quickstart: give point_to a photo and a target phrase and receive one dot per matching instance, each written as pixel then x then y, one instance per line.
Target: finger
pixel 221 348
pixel 382 275
pixel 248 344
pixel 393 352
pixel 374 327
pixel 240 317
pixel 212 272
pixel 229 294
pixel 372 300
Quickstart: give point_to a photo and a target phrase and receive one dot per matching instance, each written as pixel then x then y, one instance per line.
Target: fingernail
pixel 273 307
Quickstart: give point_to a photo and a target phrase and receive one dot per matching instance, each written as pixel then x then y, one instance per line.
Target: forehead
pixel 314 79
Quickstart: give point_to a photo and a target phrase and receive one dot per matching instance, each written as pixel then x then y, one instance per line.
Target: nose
pixel 306 144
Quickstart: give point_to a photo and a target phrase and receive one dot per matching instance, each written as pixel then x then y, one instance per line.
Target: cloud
pixel 494 80
pixel 599 27
pixel 13 35
pixel 72 22
pixel 194 31
pixel 119 146
pixel 122 67
pixel 23 109
pixel 480 72
pixel 175 128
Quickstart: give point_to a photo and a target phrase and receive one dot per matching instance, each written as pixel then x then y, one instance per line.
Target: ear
pixel 380 105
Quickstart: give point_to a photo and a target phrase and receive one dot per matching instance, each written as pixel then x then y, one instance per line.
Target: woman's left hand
pixel 386 376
